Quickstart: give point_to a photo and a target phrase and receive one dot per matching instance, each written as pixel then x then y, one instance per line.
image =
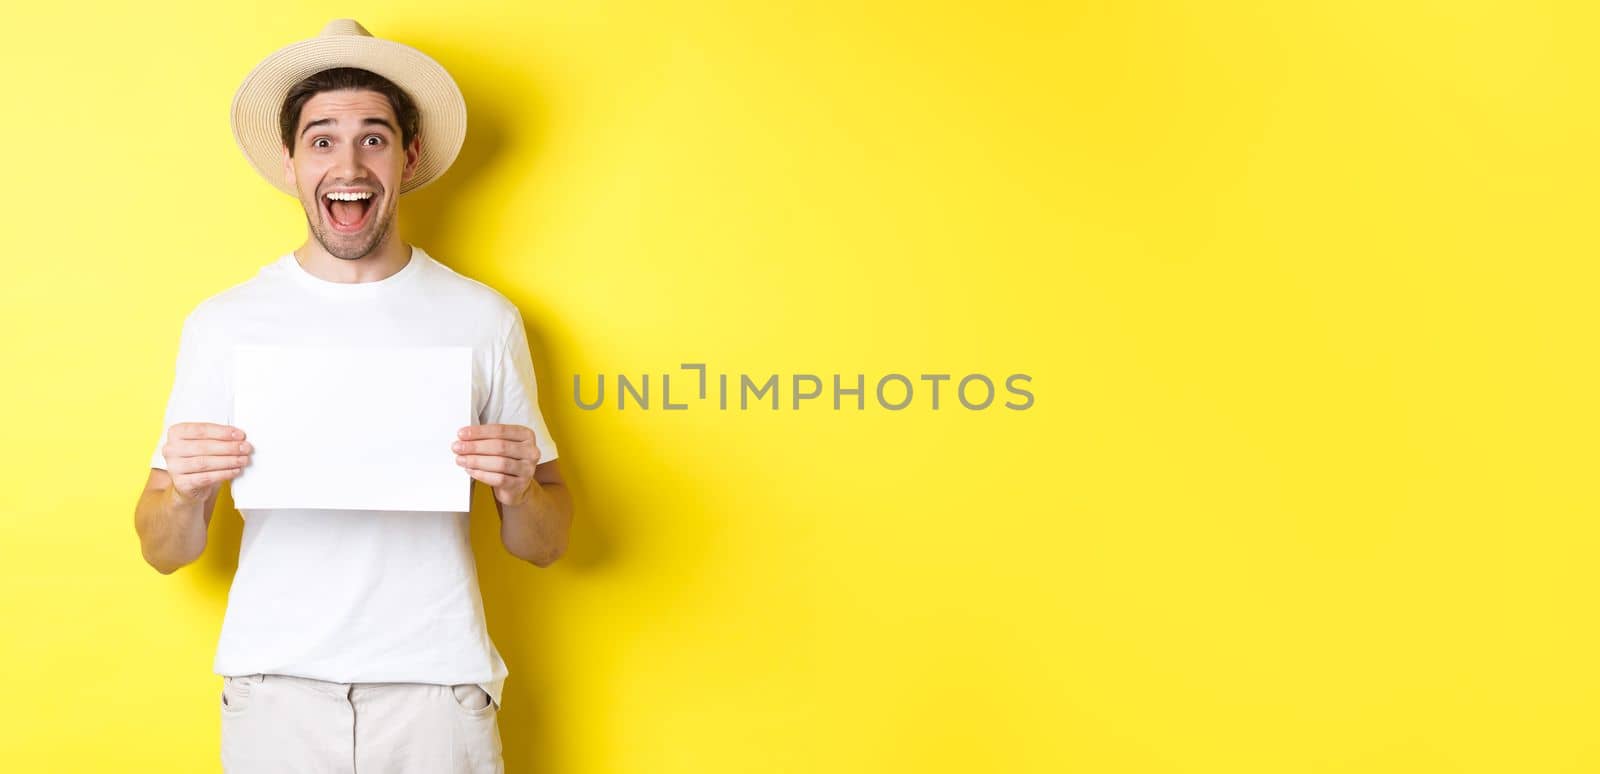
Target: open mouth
pixel 348 211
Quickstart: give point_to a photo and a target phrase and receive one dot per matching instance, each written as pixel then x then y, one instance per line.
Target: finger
pixel 508 432
pixel 204 430
pixel 203 448
pixel 197 481
pixel 202 464
pixel 496 464
pixel 489 477
pixel 495 446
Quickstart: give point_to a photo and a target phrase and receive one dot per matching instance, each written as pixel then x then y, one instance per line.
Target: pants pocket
pixel 473 699
pixel 478 749
pixel 237 690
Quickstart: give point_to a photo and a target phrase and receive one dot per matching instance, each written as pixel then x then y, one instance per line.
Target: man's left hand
pixel 502 456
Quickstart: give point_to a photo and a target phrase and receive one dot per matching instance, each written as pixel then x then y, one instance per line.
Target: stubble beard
pixel 339 245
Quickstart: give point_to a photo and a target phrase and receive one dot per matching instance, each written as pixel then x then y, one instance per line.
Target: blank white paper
pixel 353 428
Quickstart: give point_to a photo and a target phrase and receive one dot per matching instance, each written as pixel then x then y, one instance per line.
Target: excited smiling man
pixel 354 640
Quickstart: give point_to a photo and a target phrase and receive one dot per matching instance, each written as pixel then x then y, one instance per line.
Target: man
pixel 354 640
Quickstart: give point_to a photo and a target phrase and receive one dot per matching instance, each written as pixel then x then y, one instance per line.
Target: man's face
pixel 347 167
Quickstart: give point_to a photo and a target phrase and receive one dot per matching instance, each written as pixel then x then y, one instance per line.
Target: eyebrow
pixel 378 120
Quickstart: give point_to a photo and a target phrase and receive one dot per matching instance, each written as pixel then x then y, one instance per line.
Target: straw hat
pixel 442 113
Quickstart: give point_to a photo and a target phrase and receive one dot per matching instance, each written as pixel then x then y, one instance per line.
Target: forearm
pixel 537 529
pixel 172 531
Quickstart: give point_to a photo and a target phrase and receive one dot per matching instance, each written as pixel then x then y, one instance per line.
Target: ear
pixel 413 155
pixel 288 168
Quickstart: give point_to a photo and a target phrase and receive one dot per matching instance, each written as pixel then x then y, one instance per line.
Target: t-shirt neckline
pixel 354 289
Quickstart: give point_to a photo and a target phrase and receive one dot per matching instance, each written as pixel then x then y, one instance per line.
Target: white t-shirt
pixel 358 596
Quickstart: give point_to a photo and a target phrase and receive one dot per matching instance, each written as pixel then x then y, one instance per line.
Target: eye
pixel 379 138
pixel 320 142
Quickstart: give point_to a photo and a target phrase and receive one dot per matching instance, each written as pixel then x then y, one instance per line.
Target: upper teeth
pixel 349 196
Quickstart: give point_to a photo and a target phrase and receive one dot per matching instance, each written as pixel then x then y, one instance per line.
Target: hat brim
pixel 442 112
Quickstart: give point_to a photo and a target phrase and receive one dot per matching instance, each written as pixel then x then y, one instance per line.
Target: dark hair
pixel 340 78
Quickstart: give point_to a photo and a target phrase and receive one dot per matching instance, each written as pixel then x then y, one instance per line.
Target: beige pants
pixel 281 724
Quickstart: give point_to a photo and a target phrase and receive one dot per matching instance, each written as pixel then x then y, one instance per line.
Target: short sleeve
pixel 201 387
pixel 514 393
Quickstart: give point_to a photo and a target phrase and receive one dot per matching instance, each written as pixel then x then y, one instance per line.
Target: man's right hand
pixel 200 456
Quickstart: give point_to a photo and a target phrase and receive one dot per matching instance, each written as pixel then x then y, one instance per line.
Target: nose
pixel 347 163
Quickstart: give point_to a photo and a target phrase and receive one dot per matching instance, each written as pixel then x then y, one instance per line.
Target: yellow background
pixel 1307 292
